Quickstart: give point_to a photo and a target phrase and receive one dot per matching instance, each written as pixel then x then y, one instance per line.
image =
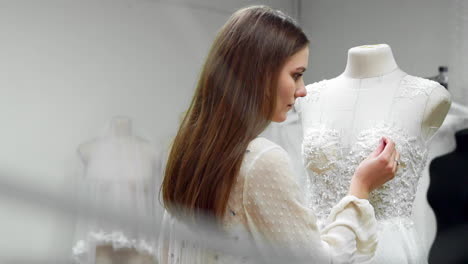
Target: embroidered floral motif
pixel 331 166
pixel 314 90
pixel 413 86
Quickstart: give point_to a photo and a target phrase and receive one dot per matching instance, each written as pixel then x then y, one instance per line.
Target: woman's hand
pixel 378 168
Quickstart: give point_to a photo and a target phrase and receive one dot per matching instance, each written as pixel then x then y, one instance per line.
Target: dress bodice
pixel 331 166
pixel 331 163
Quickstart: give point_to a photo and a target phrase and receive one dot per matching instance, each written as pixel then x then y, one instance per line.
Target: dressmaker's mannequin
pixel 364 92
pixel 120 172
pixel 343 119
pixel 448 197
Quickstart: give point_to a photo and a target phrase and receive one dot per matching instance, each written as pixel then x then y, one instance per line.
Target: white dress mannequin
pixel 121 174
pixel 344 118
pixel 441 143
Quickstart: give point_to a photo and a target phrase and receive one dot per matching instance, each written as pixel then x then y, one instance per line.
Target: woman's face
pixel 291 84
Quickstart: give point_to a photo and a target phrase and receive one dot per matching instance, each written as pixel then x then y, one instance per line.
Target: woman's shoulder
pixel 266 162
pixel 261 150
pixel 261 144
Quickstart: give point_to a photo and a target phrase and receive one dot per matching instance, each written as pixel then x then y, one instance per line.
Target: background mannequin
pixel 448 197
pixel 122 172
pixel 343 118
pixel 441 143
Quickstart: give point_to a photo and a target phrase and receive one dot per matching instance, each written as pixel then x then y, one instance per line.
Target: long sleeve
pixel 275 215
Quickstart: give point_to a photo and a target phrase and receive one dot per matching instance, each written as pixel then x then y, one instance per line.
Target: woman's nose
pixel 301 92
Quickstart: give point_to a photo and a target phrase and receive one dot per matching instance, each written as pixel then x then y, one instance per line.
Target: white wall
pixel 458 40
pixel 66 68
pixel 418 31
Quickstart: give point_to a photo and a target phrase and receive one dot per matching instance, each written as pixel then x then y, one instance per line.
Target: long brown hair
pixel 234 101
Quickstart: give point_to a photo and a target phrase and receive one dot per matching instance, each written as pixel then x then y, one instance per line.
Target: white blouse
pixel 266 207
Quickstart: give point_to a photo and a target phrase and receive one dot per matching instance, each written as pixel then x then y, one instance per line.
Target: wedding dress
pixel 266 208
pixel 121 175
pixel 330 164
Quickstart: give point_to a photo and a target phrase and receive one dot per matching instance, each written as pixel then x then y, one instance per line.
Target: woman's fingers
pixel 375 171
pixel 379 148
pixel 388 150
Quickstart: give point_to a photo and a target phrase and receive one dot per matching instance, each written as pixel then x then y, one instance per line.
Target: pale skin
pixel 378 168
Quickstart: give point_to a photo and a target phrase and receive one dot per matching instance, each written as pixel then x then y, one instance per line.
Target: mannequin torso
pixel 344 118
pixel 120 175
pixel 369 91
pixel 104 156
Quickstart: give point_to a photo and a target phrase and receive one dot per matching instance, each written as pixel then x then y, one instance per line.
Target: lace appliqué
pixel 323 158
pixel 331 166
pixel 395 198
pixel 413 86
pixel 314 90
pixel 320 154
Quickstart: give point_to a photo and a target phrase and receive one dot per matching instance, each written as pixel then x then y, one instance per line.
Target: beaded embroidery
pixel 314 90
pixel 413 86
pixel 331 165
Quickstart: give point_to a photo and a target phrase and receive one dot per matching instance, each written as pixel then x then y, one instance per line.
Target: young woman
pixel 218 166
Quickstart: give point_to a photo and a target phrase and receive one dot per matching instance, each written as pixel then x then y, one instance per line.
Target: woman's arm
pixel 275 214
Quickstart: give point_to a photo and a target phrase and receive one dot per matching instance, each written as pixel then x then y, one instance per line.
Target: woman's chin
pixel 280 119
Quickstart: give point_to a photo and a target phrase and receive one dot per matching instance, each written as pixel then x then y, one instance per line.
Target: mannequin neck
pixel 369 61
pixel 461 137
pixel 121 126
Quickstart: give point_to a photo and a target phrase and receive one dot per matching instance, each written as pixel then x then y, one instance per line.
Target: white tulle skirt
pixel 399 243
pixel 121 180
pixel 93 231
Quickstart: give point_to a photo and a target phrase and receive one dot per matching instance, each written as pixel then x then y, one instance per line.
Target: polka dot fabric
pixel 276 213
pixel 267 207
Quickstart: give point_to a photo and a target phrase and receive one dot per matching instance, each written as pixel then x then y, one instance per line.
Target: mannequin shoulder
pixel 431 97
pixel 437 107
pixel 316 87
pixel 437 98
pixel 438 103
pixel 86 149
pixel 413 86
pixel 149 149
pixel 440 98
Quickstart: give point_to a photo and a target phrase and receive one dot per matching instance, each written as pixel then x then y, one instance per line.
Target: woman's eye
pixel 297 76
